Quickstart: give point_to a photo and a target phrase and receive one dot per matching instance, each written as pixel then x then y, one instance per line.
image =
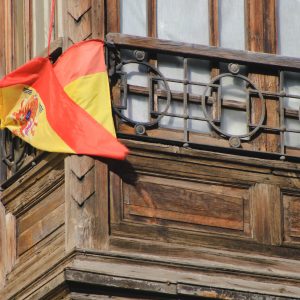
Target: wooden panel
pixel 41 220
pixel 175 200
pixel 291 207
pixel 266 213
pixel 159 196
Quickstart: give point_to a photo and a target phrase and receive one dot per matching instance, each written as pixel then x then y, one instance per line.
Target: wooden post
pixel 266 213
pixel 86 203
pixel 11 241
pixel 261 28
pixel 2 246
pixel 86 179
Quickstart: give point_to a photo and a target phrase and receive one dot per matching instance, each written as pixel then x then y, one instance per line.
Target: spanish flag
pixel 63 107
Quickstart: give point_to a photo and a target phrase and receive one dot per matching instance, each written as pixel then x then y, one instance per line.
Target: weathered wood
pixel 11 245
pixel 291 222
pixel 77 8
pixel 256 165
pixel 98 19
pixel 2 39
pixel 181 201
pixel 47 205
pixel 83 207
pixel 168 279
pixel 194 50
pixel 213 293
pixel 42 228
pixel 266 213
pixel 23 279
pixel 152 18
pixel 3 243
pixel 78 21
pixel 8 25
pixel 34 185
pixel 102 196
pixel 261 27
pixel 113 16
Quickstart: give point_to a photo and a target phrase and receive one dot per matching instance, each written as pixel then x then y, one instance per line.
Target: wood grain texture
pixel 98 19
pixel 78 21
pixel 291 211
pixel 3 244
pixel 267 213
pixel 41 221
pixel 83 208
pixel 77 8
pixel 2 40
pixel 113 16
pixel 262 37
pixel 201 51
pixel 11 245
pixel 174 200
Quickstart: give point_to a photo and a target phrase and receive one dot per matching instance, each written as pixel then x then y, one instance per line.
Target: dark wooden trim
pixel 152 18
pixel 201 51
pixel 214 36
pixel 113 15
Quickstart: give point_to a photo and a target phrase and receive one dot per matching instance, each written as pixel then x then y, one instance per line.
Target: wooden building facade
pixel 207 205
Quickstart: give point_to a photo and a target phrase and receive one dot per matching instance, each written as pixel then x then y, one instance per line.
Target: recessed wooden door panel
pixel 189 203
pixel 291 206
pixel 186 203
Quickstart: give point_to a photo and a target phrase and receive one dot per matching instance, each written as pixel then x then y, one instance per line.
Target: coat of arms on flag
pixel 63 107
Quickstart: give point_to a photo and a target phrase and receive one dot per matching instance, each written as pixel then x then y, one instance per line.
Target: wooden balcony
pixel 167 223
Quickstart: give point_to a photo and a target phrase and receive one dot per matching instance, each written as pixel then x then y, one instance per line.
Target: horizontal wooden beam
pixel 207 52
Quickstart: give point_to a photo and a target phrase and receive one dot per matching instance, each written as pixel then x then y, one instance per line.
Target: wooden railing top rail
pixel 212 53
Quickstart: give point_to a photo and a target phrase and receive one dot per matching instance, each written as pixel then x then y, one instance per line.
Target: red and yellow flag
pixel 65 107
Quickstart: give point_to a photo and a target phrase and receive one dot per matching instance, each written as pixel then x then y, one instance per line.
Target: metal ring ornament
pixel 155 71
pixel 210 120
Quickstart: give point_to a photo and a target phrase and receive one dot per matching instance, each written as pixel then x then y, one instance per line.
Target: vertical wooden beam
pixel 113 15
pixel 266 213
pixel 214 37
pixel 152 18
pixel 2 39
pixel 98 19
pixel 27 29
pixel 2 246
pixel 11 241
pixel 8 35
pixel 86 216
pixel 271 82
pixel 261 30
pixel 214 40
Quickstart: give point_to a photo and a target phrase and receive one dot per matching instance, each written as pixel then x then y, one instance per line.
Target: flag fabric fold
pixel 62 108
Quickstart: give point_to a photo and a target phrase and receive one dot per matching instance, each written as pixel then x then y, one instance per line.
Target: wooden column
pixel 265 198
pixel 86 179
pixel 266 213
pixel 86 203
pixel 8 250
pixel 261 28
pixel 2 246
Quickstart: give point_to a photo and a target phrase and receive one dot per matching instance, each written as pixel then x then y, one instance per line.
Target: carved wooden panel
pixel 157 203
pixel 183 203
pixel 291 206
pixel 40 221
